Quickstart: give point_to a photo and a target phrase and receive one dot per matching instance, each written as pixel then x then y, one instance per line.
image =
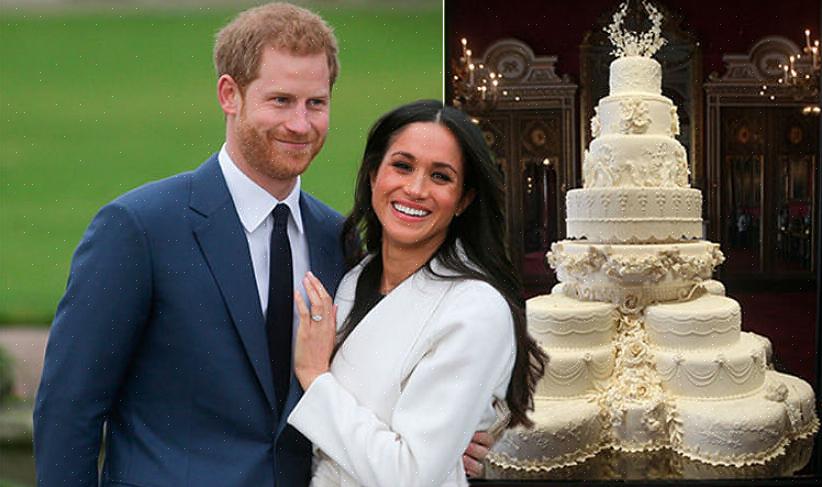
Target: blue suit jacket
pixel 161 336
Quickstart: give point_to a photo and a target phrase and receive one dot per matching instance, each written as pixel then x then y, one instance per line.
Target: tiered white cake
pixel 645 351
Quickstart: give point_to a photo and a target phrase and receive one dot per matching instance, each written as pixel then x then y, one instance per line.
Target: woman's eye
pixel 402 166
pixel 439 176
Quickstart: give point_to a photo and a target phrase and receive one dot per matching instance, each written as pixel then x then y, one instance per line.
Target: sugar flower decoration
pixel 629 43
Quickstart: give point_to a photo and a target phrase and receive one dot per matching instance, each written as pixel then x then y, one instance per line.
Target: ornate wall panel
pixel 761 167
pixel 531 130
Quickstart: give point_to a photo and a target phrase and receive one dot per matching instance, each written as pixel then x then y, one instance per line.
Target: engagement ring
pixel 317 317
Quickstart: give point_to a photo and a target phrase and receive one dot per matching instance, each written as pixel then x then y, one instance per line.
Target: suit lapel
pixel 223 242
pixel 318 254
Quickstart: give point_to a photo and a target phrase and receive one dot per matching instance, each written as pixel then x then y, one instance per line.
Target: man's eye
pixel 280 100
pixel 317 103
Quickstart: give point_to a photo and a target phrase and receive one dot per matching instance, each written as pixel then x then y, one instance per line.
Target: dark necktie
pixel 280 305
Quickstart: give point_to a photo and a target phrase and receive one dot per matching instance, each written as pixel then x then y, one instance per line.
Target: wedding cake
pixel 645 351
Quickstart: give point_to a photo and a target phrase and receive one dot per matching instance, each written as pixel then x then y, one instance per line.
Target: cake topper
pixel 630 43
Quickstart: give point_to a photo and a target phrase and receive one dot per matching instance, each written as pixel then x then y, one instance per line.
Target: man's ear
pixel 229 95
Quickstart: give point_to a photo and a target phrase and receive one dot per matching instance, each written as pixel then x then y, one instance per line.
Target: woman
pixel 432 325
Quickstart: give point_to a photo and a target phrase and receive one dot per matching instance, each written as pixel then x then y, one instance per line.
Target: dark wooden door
pixel 769 169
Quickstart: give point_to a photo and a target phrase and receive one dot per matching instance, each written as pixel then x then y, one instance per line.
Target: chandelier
pixel 801 75
pixel 475 86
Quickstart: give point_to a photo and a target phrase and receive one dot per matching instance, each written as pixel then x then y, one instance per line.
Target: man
pixel 176 324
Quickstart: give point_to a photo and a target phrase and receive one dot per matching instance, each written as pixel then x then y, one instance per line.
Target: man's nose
pixel 298 121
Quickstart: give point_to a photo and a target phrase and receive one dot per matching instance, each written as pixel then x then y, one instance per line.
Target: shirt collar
pixel 253 203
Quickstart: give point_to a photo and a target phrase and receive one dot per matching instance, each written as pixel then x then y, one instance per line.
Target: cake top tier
pixel 635 74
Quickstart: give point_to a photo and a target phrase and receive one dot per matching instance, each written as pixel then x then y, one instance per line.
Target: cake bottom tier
pixel 565 432
pixel 752 432
pixel 748 430
pixel 610 464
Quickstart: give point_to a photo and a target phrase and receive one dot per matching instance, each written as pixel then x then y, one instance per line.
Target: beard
pixel 261 151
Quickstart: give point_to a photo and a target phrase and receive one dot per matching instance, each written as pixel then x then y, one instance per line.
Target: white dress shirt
pixel 254 206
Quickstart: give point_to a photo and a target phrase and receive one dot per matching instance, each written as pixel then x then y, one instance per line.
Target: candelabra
pixel 801 75
pixel 475 86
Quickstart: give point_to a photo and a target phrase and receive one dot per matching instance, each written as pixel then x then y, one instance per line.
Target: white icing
pixel 566 432
pixel 619 215
pixel 573 373
pixel 645 352
pixel 709 321
pixel 633 405
pixel 632 276
pixel 750 430
pixel 659 463
pixel 713 286
pixel 674 121
pixel 635 74
pixel 596 127
pixel 649 161
pixel 558 321
pixel 732 370
pixel 636 114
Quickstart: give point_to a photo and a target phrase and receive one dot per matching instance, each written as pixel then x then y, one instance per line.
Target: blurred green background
pixel 96 101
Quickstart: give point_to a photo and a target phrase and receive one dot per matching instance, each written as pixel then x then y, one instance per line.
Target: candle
pixel 808 38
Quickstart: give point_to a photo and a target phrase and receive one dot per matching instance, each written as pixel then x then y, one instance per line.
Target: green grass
pixel 94 104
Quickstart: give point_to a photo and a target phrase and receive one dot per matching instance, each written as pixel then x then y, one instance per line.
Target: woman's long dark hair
pixel 479 229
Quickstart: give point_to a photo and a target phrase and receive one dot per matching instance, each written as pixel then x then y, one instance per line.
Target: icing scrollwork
pixel 628 300
pixel 545 463
pixel 584 366
pixel 738 374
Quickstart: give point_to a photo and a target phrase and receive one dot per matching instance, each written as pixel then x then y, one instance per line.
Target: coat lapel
pixel 396 322
pixel 223 242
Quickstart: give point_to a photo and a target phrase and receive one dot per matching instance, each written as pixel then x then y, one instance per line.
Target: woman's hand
pixel 316 333
pixel 474 457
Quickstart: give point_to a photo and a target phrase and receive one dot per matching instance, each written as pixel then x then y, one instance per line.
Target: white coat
pixel 411 384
